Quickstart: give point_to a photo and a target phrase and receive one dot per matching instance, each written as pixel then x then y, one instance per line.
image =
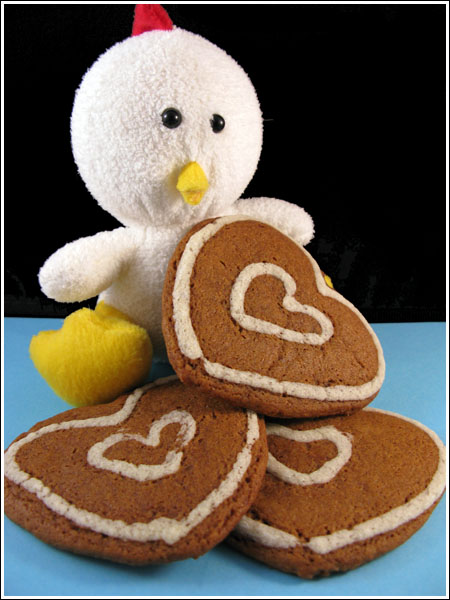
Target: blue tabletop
pixel 415 386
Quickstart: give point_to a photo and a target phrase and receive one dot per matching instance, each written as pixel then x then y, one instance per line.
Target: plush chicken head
pixel 166 127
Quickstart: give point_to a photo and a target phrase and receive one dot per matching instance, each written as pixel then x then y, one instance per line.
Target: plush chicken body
pixel 166 131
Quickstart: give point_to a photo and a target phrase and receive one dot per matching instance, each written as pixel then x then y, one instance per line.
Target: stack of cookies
pixel 262 437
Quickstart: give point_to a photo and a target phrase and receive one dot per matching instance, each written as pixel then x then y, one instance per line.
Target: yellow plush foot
pixel 328 281
pixel 94 357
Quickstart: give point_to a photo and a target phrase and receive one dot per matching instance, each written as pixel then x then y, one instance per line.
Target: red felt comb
pixel 148 17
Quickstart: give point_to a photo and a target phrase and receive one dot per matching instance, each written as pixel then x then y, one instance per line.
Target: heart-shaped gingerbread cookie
pixel 247 314
pixel 341 491
pixel 140 480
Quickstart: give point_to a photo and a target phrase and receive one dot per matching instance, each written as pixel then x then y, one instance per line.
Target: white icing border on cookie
pixel 327 471
pixel 163 528
pixel 266 535
pixel 237 299
pixel 190 347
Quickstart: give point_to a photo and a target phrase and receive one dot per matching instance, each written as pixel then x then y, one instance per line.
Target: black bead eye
pixel 171 118
pixel 217 123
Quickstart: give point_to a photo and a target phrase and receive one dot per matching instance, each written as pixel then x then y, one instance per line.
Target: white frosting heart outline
pixel 323 474
pixel 273 537
pixel 163 528
pixel 146 472
pixel 189 345
pixel 237 310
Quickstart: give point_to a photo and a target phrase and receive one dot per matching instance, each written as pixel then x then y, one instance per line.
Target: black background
pixel 354 97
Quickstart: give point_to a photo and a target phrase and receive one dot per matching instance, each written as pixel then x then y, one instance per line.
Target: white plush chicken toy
pixel 166 131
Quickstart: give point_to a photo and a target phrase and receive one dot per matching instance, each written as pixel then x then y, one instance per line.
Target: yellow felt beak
pixel 192 183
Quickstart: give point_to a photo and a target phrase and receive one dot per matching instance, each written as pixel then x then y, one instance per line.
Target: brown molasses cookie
pixel 341 491
pixel 162 474
pixel 248 316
